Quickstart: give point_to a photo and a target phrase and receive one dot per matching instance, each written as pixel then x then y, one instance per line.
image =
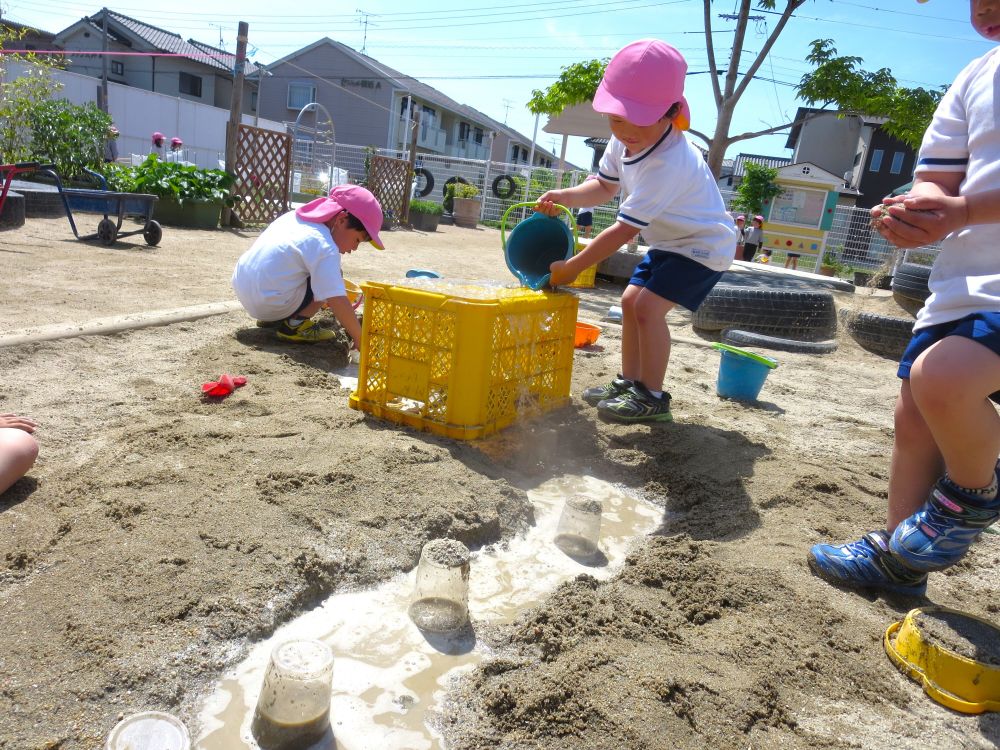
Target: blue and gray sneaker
pixel 866 564
pixel 939 534
pixel 636 404
pixel 615 388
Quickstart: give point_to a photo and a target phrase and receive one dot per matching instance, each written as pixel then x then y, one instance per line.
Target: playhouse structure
pixel 798 220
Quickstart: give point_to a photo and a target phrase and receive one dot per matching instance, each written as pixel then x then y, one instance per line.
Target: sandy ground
pixel 159 534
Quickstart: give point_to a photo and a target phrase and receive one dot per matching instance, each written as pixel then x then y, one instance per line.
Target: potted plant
pixel 829 266
pixel 188 196
pixel 425 215
pixel 466 204
pixel 862 277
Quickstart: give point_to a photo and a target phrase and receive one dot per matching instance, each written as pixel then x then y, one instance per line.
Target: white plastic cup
pixel 441 598
pixel 579 531
pixel 293 710
pixel 149 730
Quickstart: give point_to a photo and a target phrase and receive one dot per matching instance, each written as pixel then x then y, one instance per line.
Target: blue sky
pixel 491 55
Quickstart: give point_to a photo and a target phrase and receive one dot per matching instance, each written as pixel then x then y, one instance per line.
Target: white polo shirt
pixel 270 278
pixel 964 136
pixel 670 195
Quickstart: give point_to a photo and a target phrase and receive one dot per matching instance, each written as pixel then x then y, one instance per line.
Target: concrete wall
pixel 138 114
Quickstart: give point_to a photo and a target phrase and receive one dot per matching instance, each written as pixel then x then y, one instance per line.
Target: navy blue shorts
pixel 675 277
pixel 308 299
pixel 585 219
pixel 983 328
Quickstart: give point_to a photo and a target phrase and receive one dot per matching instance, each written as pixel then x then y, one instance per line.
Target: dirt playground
pixel 160 534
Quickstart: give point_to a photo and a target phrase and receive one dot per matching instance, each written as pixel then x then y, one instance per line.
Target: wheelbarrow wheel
pixel 107 232
pixel 152 232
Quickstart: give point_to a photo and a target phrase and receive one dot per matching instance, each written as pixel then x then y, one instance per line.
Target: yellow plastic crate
pixel 463 360
pixel 587 277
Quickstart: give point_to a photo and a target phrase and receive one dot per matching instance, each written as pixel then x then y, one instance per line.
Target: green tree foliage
pixel 757 187
pixel 68 135
pixel 838 81
pixel 577 84
pixel 20 96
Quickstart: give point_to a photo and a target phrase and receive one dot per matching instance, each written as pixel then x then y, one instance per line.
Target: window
pixel 897 163
pixel 799 206
pixel 515 153
pixel 300 94
pixel 876 163
pixel 253 101
pixel 190 84
pixel 463 131
pixel 477 135
pixel 117 68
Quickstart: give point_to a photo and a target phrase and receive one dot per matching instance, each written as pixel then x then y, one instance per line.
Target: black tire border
pixel 504 194
pixel 880 334
pixel 738 337
pixel 428 180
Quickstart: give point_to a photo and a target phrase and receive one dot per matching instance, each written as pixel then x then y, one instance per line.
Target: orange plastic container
pixel 586 334
pixel 463 360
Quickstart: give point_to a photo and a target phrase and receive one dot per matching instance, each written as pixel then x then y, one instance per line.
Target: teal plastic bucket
pixel 742 373
pixel 536 243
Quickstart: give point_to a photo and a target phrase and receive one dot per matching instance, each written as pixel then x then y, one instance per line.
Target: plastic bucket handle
pixel 543 279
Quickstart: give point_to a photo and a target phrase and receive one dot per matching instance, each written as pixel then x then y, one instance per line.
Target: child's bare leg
pixel 650 314
pixel 18 450
pixel 630 334
pixel 309 310
pixel 951 384
pixel 916 460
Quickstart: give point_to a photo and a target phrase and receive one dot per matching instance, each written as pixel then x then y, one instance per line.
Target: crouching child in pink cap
pixel 293 269
pixel 670 196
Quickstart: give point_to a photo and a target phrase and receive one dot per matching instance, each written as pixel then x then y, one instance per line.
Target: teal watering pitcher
pixel 535 243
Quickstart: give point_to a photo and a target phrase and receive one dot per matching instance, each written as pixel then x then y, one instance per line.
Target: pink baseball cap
pixel 642 81
pixel 354 199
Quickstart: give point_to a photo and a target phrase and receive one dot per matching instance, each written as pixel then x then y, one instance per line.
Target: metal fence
pixel 850 239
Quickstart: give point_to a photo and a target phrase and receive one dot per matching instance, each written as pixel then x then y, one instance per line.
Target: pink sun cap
pixel 354 199
pixel 641 83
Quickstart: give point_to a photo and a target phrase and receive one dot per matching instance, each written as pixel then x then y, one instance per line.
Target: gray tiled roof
pixel 774 162
pixel 167 41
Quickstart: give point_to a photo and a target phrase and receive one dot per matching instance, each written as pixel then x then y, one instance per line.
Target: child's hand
pixel 915 221
pixel 546 203
pixel 18 423
pixel 561 274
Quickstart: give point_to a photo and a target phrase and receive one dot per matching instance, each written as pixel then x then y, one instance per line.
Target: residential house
pixel 186 69
pixel 371 104
pixel 870 160
pixel 22 37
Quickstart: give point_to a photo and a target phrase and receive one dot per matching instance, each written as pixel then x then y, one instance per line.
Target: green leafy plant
pixel 757 187
pixel 830 260
pixel 167 179
pixel 465 190
pixel 20 95
pixel 68 135
pixel 426 207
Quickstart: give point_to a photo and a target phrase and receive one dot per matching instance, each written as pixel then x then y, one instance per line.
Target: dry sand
pixel 159 534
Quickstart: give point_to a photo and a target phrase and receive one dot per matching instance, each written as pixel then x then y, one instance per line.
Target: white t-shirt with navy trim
pixel 964 136
pixel 670 195
pixel 270 278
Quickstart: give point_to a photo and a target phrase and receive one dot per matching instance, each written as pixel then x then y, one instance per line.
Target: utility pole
pixel 103 103
pixel 235 109
pixel 414 127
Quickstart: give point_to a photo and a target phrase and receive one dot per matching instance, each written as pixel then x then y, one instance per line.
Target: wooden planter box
pixel 193 214
pixel 425 222
pixel 466 212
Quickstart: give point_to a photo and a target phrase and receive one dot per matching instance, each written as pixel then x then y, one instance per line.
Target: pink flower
pixel 158 138
pixel 176 143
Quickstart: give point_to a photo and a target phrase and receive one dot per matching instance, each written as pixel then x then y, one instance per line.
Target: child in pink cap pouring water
pixel 668 194
pixel 293 269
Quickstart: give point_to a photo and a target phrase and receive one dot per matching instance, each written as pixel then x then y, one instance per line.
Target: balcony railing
pixel 469 150
pixel 428 135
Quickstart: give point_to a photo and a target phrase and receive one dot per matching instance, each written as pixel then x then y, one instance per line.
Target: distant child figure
pixel 585 221
pixel 741 236
pixel 111 144
pixel 754 238
pixel 18 449
pixel 764 256
pixel 293 269
pixel 671 197
pixel 943 477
